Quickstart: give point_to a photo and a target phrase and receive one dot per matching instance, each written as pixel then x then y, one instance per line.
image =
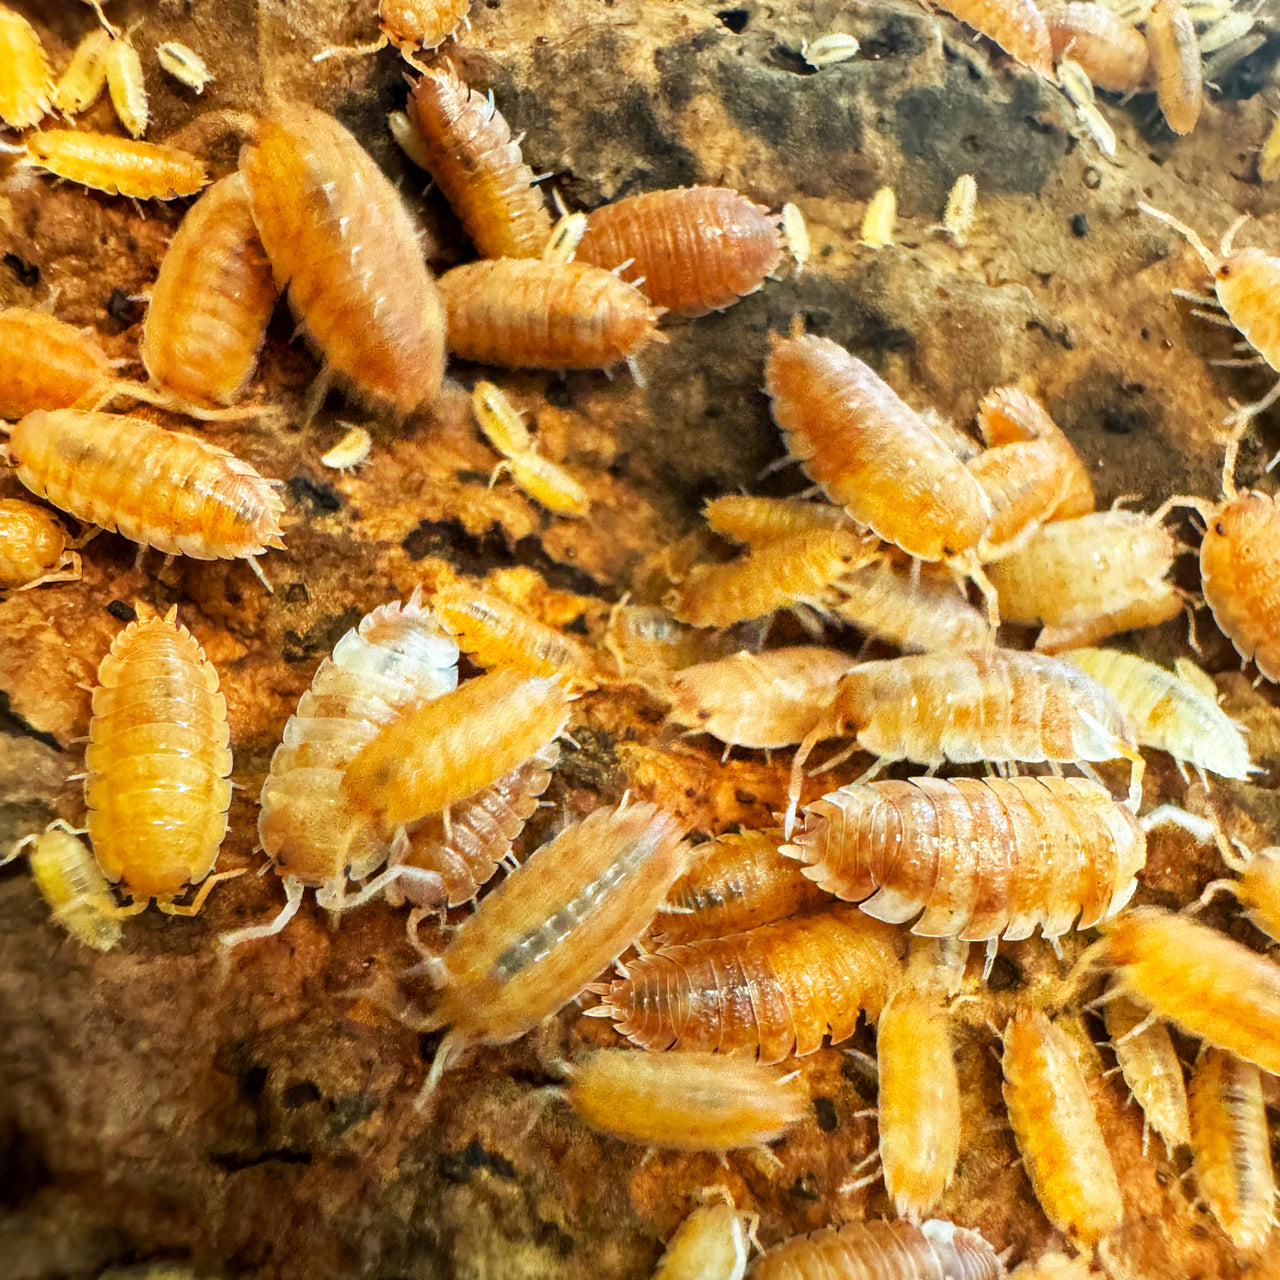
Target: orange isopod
pixel 161 488
pixel 1111 50
pixel 34 547
pixel 340 238
pixel 1231 1147
pixel 26 79
pixel 1017 26
pixel 981 858
pixel 647 640
pixel 934 1250
pixel 118 166
pixel 525 314
pixel 1149 1063
pixel 687 1101
pixel 411 25
pixel 46 364
pixel 1057 1130
pixel 760 521
pixel 157 766
pixel 554 923
pixel 759 700
pixel 1257 889
pixel 772 991
pixel 1175 64
pixel 734 883
pixel 692 250
pixel 211 302
pixel 469 151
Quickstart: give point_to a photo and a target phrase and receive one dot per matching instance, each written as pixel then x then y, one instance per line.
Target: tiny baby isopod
pixel 26 82
pixel 710 1244
pixel 184 64
pixel 126 85
pixel 86 74
pixel 34 547
pixel 1149 1062
pixel 410 25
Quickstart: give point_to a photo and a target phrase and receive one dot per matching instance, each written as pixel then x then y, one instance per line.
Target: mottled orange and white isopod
pixel 157 767
pixel 34 547
pixel 687 1101
pixel 1057 1129
pixel 26 81
pixel 410 25
pixel 1111 49
pixel 1017 26
pixel 469 151
pixel 696 249
pixel 396 656
pixel 1175 64
pixel 1149 1063
pixel 118 166
pixel 521 313
pixel 46 364
pixel 340 238
pixel 772 992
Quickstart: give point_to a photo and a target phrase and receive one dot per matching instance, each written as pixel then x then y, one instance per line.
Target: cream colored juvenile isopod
pixel 26 81
pixel 86 74
pixel 34 547
pixel 1149 1063
pixel 351 452
pixel 126 85
pixel 712 1243
pixel 962 208
pixel 879 219
pixel 184 64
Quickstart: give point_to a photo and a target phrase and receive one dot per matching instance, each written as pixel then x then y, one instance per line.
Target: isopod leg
pixel 293 890
pixel 1241 413
pixel 451 1047
pixel 337 899
pixel 193 907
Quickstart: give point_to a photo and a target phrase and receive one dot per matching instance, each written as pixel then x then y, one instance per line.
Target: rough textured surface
pixel 242 1113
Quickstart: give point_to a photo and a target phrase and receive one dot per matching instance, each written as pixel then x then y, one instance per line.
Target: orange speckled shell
pixel 982 858
pixel 444 750
pixel 157 487
pixel 917 612
pixel 31 542
pixel 470 153
pixel 212 300
pixel 26 81
pixel 421 23
pixel 1200 980
pixel 1175 64
pixel 1151 1069
pixel 1057 1130
pixel 687 1101
pixel 773 991
pixel 870 453
pixel 1247 284
pixel 933 1250
pixel 1240 577
pixel 1112 51
pixel 339 236
pixel 524 314
pixel 45 364
pixel 698 249
pixel 1017 26
pixel 157 763
pixel 118 166
pixel 556 921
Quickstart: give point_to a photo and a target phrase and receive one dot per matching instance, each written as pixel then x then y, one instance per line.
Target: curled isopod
pixel 981 858
pixel 759 521
pixel 34 547
pixel 710 1244
pixel 1057 1130
pixel 118 166
pixel 934 1250
pixel 554 923
pixel 1168 713
pixel 1175 64
pixel 1149 1063
pixel 687 1101
pixel 397 655
pixel 157 766
pixel 522 313
pixel 26 81
pixel 697 249
pixel 86 74
pixel 126 85
pixel 46 364
pixel 759 700
pixel 184 64
pixel 1017 26
pixel 340 238
pixel 468 149
pixel 772 992
pixel 828 50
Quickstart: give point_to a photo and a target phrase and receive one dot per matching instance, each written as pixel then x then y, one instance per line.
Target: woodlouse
pixel 86 75
pixel 1175 64
pixel 410 25
pixel 647 640
pixel 118 166
pixel 157 766
pixel 697 249
pixel 934 1250
pixel 396 655
pixel 521 313
pixel 1150 1066
pixel 828 50
pixel 340 238
pixel 548 483
pixel 184 64
pixel 759 521
pixel 772 991
pixel 34 547
pixel 962 208
pixel 710 1244
pixel 1112 51
pixel 350 452
pixel 46 364
pixel 981 858
pixel 26 81
pixel 687 1101
pixel 1017 26
pixel 554 923
pixel 1057 1129
pixel 126 85
pixel 469 151
pixel 879 219
pixel 500 420
pixel 1258 886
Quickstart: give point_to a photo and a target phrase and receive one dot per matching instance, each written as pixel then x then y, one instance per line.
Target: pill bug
pixel 410 25
pixel 1168 713
pixel 1017 26
pixel 712 1243
pixel 934 1250
pixel 771 992
pixel 1149 1063
pixel 522 313
pixel 1057 1130
pixel 734 883
pixel 1112 51
pixel 1175 64
pixel 34 547
pixel 758 700
pixel 469 151
pixel 1231 1147
pixel 554 923
pixel 126 85
pixel 340 238
pixel 696 249
pixel 436 752
pixel 879 219
pixel 212 301
pixel 759 521
pixel 83 81
pixel 1088 578
pixel 184 64
pixel 118 166
pixel 157 766
pixel 77 893
pixel 46 364
pixel 980 858
pixel 396 655
pixel 160 488
pixel 26 80
pixel 794 570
